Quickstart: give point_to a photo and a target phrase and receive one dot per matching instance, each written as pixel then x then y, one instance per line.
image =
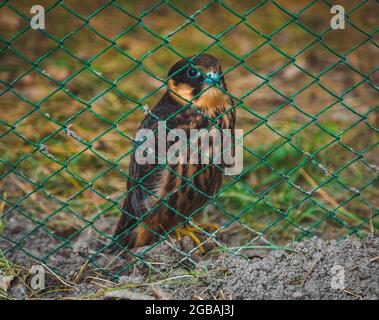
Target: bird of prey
pixel 162 196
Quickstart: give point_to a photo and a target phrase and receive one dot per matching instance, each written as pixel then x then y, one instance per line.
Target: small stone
pixel 297 295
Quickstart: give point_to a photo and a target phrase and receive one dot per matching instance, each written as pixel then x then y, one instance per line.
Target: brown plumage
pixel 161 196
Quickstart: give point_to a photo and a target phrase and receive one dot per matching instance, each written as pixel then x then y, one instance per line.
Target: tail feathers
pixel 129 233
pixel 124 234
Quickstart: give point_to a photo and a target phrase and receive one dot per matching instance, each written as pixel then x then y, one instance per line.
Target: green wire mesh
pixel 72 95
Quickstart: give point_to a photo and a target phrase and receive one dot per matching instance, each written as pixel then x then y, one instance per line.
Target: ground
pixel 300 270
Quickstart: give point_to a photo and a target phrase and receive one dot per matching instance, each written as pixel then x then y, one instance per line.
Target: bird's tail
pixel 124 234
pixel 129 234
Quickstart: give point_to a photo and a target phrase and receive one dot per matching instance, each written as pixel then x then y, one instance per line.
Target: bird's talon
pixel 191 231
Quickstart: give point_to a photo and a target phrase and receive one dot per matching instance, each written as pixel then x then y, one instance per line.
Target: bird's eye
pixel 193 73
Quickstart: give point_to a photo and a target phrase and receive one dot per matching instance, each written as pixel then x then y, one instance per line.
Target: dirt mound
pixel 316 269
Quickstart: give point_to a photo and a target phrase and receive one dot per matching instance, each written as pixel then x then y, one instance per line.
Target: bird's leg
pixel 191 231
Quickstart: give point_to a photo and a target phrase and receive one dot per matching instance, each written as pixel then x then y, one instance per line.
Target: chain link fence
pixel 72 95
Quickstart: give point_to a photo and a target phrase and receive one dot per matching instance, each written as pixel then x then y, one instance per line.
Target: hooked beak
pixel 212 77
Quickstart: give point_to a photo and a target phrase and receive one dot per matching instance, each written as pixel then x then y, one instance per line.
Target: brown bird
pixel 162 196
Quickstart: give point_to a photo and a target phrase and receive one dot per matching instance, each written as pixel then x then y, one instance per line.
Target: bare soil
pixel 305 270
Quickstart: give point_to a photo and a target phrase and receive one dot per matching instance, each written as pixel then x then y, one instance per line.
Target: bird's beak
pixel 212 77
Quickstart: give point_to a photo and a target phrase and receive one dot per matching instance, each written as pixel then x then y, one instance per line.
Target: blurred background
pixel 72 96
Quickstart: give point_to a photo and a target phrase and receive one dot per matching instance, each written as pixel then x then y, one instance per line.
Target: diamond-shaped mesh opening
pixel 15 67
pixel 216 10
pixel 84 43
pixel 25 226
pixel 292 39
pixel 61 147
pixel 112 145
pixel 357 175
pixel 243 82
pixel 87 126
pixel 315 17
pixel 284 196
pixel 359 211
pixel 305 214
pixel 285 159
pixel 113 105
pixel 23 147
pixel 362 58
pixel 88 209
pixel 290 80
pixel 362 98
pixel 52 107
pixel 266 134
pixel 163 27
pixel 319 138
pixel 112 64
pixel 334 156
pixel 7 100
pixel 138 34
pixel 371 192
pixel 264 100
pixel 316 59
pixel 39 204
pixel 333 82
pixel 86 160
pixel 18 190
pixel 190 40
pixel 35 86
pixel 155 62
pixel 63 185
pixel 56 30
pixel 308 177
pixel 276 18
pixel 114 183
pixel 352 37
pixel 36 120
pixel 359 137
pixel 338 118
pixel 325 199
pixel 132 113
pixel 137 81
pixel 37 46
pixel 265 61
pixel 60 65
pixel 36 251
pixel 329 228
pixel 109 30
pixel 87 85
pixel 286 120
pixel 37 167
pixel 363 17
pixel 369 156
pixel 241 40
pixel 305 99
pixel 10 23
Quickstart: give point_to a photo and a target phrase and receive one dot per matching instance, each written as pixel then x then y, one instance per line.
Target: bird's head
pixel 198 80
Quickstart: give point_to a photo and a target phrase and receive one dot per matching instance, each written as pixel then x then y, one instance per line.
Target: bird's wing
pixel 141 178
pixel 145 179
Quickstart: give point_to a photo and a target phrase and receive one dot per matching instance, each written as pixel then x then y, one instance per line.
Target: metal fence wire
pixel 72 95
